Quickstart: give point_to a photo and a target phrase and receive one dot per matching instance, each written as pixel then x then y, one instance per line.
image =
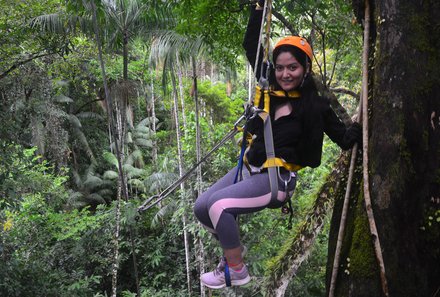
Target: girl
pixel 299 118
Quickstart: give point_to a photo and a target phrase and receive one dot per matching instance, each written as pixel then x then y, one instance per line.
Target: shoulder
pixel 316 101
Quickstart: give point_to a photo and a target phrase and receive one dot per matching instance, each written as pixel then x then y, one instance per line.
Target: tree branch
pixel 285 22
pixel 345 91
pixel 87 103
pixel 18 64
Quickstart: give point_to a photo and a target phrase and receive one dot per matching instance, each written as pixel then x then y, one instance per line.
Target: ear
pixel 308 67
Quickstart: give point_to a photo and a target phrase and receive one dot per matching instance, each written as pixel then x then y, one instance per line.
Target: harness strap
pixel 259 93
pixel 227 274
pixel 270 154
pixel 278 162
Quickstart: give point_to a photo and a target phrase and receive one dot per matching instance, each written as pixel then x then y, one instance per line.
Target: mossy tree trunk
pixel 404 154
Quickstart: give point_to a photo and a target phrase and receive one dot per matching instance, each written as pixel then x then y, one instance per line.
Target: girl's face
pixel 289 73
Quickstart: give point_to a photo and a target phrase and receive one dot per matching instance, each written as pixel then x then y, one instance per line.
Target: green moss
pixel 420 39
pixel 362 260
pixel 437 175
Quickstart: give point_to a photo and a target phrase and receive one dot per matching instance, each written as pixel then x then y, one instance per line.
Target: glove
pixel 353 134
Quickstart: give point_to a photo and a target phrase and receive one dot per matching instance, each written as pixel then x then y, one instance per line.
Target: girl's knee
pixel 198 209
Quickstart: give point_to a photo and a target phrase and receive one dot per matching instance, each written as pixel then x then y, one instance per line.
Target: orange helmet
pixel 298 42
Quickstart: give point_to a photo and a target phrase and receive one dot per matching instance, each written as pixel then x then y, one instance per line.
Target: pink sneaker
pixel 216 279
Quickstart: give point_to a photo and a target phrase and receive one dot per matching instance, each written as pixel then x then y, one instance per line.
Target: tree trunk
pixel 200 249
pixel 182 185
pixel 115 262
pixel 181 93
pixel 404 145
pixel 153 123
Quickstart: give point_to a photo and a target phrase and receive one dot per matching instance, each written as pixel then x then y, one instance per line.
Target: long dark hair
pixel 308 89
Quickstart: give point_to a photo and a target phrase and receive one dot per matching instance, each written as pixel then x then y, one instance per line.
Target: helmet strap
pixel 304 78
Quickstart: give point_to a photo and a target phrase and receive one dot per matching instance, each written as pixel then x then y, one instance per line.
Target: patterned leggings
pixel 218 207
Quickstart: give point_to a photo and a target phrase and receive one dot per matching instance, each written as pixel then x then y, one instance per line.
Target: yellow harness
pixel 260 93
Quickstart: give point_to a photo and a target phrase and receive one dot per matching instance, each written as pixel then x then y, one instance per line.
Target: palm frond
pixel 135 156
pixel 92 181
pixel 144 142
pixel 132 171
pixel 89 115
pixel 111 159
pixel 95 198
pixel 74 121
pixel 79 135
pixel 76 200
pixel 63 99
pixel 169 45
pixel 159 180
pixel 76 178
pixel 52 23
pixel 110 175
pixel 145 123
pixel 128 138
pixel 137 183
pixel 162 213
pixel 106 194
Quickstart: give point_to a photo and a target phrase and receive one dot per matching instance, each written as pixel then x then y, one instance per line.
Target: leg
pixel 250 195
pixel 201 204
pixel 234 257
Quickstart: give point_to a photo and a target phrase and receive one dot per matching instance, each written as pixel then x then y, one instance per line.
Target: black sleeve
pixel 335 128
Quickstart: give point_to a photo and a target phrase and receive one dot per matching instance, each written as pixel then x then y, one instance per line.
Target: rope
pixel 369 209
pixel 267 16
pixel 363 114
pixel 341 232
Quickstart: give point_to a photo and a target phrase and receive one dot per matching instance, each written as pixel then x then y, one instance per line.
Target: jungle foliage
pixel 58 165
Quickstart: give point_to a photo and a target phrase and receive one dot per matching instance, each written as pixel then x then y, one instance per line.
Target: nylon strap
pixel 270 154
pixel 227 275
pixel 268 144
pixel 278 162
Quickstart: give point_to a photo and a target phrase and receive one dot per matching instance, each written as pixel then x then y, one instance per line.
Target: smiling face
pixel 289 73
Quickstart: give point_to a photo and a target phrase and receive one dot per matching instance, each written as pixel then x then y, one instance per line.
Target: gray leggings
pixel 218 207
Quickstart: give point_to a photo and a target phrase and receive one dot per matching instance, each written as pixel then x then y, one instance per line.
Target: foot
pixel 216 279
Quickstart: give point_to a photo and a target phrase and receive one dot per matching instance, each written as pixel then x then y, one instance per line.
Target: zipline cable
pixel 153 200
pixel 248 113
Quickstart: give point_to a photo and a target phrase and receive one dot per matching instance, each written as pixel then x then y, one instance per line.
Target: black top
pixel 297 137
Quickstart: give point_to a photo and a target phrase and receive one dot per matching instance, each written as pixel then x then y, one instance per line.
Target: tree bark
pixel 404 147
pixel 153 122
pixel 200 249
pixel 182 185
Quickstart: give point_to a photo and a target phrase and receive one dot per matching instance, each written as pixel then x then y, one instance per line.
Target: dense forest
pixel 106 103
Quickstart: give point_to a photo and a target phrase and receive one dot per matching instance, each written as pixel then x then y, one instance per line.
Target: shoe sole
pixel 239 282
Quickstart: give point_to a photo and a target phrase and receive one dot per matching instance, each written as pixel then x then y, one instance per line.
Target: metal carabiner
pixel 287 181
